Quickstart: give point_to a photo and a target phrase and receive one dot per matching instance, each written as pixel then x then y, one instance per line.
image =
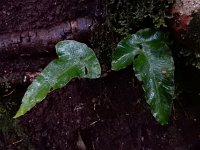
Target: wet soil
pixel 109 113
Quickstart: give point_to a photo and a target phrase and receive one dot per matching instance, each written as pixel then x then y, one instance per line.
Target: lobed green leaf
pixel 153 65
pixel 75 59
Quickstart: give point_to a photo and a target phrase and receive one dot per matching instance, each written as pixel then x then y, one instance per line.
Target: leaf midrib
pixel 156 86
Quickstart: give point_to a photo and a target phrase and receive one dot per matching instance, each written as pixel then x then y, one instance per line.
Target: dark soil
pixel 103 114
pixel 108 114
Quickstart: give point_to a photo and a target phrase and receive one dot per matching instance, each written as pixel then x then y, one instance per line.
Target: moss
pixel 10 129
pixel 187 58
pixel 126 16
pixel 190 48
pixel 123 17
pixel 187 45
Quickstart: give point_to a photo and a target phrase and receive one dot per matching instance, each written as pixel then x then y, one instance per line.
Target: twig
pixel 15 143
pixel 8 93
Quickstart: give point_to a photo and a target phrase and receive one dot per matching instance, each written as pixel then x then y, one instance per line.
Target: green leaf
pixel 153 65
pixel 74 60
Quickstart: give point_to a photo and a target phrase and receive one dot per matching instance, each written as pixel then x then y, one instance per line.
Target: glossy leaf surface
pixel 74 60
pixel 154 67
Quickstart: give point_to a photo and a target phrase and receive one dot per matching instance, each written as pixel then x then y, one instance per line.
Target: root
pixel 38 41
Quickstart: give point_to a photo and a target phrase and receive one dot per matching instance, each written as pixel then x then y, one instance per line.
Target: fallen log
pixel 40 41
